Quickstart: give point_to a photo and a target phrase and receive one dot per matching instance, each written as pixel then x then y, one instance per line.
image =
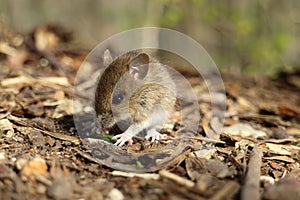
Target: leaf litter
pixel 41 155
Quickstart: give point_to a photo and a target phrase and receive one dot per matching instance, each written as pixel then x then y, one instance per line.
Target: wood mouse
pixel 137 89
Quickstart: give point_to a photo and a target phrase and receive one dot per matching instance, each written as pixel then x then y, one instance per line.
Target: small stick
pixel 228 191
pixel 8 112
pixel 176 178
pixel 73 139
pixel 250 190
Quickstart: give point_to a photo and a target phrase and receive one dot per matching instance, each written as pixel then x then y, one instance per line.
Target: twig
pixel 8 112
pixel 147 176
pixel 227 192
pixel 176 178
pixel 250 189
pixel 74 140
pixel 86 155
pixel 281 141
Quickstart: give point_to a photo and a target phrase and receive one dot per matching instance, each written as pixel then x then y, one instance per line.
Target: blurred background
pixel 258 37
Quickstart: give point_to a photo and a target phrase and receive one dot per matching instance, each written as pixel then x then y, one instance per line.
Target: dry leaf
pixel 282 149
pixel 65 107
pixel 244 130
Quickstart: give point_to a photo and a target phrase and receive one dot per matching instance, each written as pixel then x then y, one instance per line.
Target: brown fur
pixel 141 95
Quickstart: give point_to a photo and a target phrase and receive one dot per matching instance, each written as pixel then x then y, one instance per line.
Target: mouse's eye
pixel 118 98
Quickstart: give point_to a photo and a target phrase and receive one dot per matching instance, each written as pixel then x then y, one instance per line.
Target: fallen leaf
pixel 244 130
pixel 65 107
pixel 282 149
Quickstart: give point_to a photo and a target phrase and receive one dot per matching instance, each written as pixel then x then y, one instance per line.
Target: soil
pixel 42 155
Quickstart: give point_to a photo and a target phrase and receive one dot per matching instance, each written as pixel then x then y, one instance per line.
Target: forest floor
pixel 42 156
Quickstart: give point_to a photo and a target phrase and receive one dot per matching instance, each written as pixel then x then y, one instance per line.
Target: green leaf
pixel 139 164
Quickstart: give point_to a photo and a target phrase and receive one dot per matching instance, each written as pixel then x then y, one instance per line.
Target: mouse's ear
pixel 139 65
pixel 107 59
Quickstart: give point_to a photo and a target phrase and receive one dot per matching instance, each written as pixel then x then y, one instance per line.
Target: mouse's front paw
pixel 122 138
pixel 154 135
